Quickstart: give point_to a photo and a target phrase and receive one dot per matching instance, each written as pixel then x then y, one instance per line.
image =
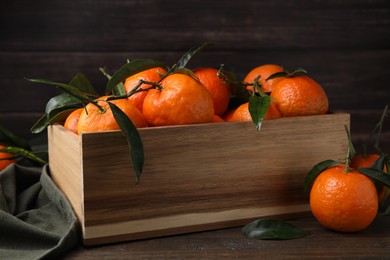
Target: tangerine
pixel 242 113
pixel 264 71
pixel 93 120
pixel 342 200
pixel 72 121
pixel 5 158
pixel 299 96
pixel 182 99
pixel 217 87
pixel 151 75
pixel 228 115
pixel 217 119
pixel 367 161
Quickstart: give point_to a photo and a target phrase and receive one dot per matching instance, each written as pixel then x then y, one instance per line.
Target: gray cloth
pixel 36 219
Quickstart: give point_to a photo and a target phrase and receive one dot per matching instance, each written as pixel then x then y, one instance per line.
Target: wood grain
pixel 171 25
pixel 372 243
pixel 65 165
pixel 196 177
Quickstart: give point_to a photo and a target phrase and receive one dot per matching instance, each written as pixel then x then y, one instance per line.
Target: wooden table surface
pixel 372 243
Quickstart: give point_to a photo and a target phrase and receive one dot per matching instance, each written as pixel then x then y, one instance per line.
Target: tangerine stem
pixel 221 75
pixel 376 132
pixel 137 89
pixel 350 151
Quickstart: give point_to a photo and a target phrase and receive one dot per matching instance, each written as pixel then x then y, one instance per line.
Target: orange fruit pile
pixel 345 201
pixel 91 119
pixel 151 75
pixel 217 87
pixel 300 96
pixel 291 95
pixel 5 158
pixel 264 71
pixel 201 97
pixel 182 100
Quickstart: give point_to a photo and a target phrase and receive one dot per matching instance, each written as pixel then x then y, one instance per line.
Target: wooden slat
pixel 353 79
pixel 174 25
pixel 231 244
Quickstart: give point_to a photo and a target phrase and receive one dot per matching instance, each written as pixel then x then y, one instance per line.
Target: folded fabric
pixel 36 219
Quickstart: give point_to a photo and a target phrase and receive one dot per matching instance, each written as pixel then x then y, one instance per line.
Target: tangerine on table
pixel 93 120
pixel 72 121
pixel 181 100
pixel 361 161
pixel 217 87
pixel 299 96
pixel 4 158
pixel 151 75
pixel 264 71
pixel 242 113
pixel 343 201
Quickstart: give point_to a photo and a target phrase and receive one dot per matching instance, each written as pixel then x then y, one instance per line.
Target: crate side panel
pixel 65 165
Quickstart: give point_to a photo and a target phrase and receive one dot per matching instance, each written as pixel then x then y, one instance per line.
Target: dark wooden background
pixel 345 45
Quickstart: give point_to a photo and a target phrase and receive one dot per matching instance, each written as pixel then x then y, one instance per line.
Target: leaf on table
pixel 272 229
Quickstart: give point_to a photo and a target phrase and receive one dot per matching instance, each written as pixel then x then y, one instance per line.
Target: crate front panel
pixel 206 170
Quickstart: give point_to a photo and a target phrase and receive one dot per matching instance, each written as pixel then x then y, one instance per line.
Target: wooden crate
pixel 196 177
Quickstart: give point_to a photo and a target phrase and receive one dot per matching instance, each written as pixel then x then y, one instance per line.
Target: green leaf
pixel 129 69
pixel 18 151
pixel 377 175
pixel 119 90
pixel 62 100
pixel 277 75
pixel 315 171
pixel 185 71
pixel 81 82
pixel 74 91
pixel 236 87
pixel 55 116
pixel 258 106
pixel 9 138
pixel 182 63
pixel 380 163
pixel 133 139
pixel 298 70
pixel 273 229
pixel 285 73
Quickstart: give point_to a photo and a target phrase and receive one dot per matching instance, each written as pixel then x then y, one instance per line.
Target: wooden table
pixel 372 243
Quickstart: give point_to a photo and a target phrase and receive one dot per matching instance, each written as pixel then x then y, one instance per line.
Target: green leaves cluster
pixel 18 146
pixel 80 92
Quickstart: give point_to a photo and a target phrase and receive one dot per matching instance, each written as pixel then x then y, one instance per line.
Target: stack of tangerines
pixel 201 96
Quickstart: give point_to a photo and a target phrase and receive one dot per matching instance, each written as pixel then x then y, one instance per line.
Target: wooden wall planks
pixel 343 44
